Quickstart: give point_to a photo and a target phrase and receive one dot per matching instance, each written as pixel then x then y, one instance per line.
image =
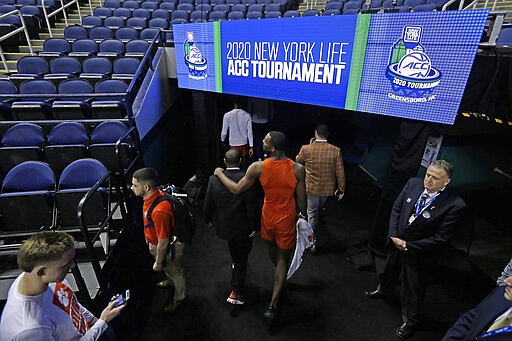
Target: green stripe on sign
pixel 356 65
pixel 218 56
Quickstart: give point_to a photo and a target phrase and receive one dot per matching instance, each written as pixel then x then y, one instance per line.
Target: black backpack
pixel 184 223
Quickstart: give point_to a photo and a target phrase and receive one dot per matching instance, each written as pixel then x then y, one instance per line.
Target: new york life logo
pixel 194 59
pixel 410 71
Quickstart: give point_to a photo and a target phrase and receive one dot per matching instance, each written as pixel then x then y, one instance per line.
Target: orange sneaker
pixel 235 298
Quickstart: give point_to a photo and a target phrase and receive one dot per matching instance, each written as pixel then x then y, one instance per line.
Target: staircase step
pixel 35 47
pixel 14 56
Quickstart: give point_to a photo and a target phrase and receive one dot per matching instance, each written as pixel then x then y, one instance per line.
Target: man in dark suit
pixel 236 219
pixel 424 217
pixel 490 314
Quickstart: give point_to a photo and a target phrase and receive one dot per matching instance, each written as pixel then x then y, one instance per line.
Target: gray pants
pixel 315 204
pixel 173 269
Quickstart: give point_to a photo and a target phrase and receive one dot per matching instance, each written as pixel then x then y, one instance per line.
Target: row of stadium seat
pixel 65 143
pixel 117 3
pixel 42 102
pixel 54 47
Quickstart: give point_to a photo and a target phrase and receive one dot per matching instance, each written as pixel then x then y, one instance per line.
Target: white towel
pixel 305 240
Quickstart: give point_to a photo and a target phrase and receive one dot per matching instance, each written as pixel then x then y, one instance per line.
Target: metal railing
pixel 12 33
pixel 63 10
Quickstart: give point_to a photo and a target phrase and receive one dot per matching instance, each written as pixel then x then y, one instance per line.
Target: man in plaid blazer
pixel 325 175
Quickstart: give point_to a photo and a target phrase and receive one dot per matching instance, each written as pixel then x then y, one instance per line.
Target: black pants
pixel 239 250
pixel 413 269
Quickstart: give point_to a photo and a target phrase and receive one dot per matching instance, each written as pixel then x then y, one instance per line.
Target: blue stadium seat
pixel 63 68
pixel 111 48
pixel 114 22
pixel 30 67
pixel 161 13
pixel 26 188
pixel 389 3
pixel 91 20
pixel 103 145
pixel 74 182
pixel 254 15
pixel 67 142
pixel 217 16
pixel 149 5
pixel 125 34
pixel 255 8
pixel 100 33
pixel 203 7
pixel 111 106
pixel 351 11
pixel 32 108
pixel 137 23
pixel 7 87
pixel 136 48
pixel 96 68
pixel 102 12
pixel 248 2
pixel 112 4
pixel 83 48
pixel 264 2
pixel 55 47
pixel 412 3
pixel 504 41
pixel 179 21
pixel 185 7
pixel 198 16
pixel 239 8
pixel 125 68
pixel 273 8
pixel 217 2
pixel 22 142
pixel 148 34
pixel 424 8
pixel 233 2
pixel 351 5
pixel 236 15
pixel 159 23
pixel 221 8
pixel 273 14
pixel 72 33
pixel 439 3
pixel 291 14
pixel 141 13
pixel 73 107
pixel 311 13
pixel 168 6
pixel 122 12
pixel 332 12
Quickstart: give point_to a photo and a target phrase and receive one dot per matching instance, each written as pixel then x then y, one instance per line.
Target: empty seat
pixel 112 4
pixel 7 87
pixel 149 34
pixel 254 15
pixel 179 14
pixel 72 33
pixel 141 13
pixel 26 201
pixel 236 16
pixel 122 12
pixel 161 13
pixel 125 34
pixel 291 14
pixel 100 33
pixel 203 7
pixel 67 142
pixel 104 140
pixel 114 22
pixel 273 8
pixel 63 68
pixel 273 14
pixel 137 23
pixel 311 13
pixel 412 3
pixel 185 7
pixel 73 107
pixel 111 48
pixel 159 23
pixel 221 8
pixel 248 2
pixel 216 16
pixel 136 48
pixel 424 8
pixel 32 107
pixel 22 142
pixel 74 182
pixel 83 48
pixel 179 21
pixel 198 16
pixel 31 67
pixel 149 5
pixel 332 12
pixel 217 2
pixel 255 8
pixel 96 68
pixel 233 2
pixel 111 106
pixel 239 8
pixel 125 68
pixel 334 5
pixel 91 20
pixel 102 12
pixel 55 47
pixel 168 6
pixel 131 4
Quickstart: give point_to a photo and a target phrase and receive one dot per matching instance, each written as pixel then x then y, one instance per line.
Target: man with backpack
pixel 160 234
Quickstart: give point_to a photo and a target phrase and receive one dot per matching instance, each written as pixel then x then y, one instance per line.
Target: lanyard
pixel 420 208
pixel 495 332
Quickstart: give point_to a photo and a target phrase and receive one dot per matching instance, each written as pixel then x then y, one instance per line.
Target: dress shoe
pixel 405 331
pixel 374 294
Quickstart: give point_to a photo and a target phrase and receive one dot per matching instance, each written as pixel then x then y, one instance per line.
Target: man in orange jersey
pixel 283 183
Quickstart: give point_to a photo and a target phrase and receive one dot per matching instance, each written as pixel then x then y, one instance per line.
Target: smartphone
pixel 120 300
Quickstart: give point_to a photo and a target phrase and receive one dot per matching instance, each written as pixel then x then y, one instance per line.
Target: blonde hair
pixel 43 247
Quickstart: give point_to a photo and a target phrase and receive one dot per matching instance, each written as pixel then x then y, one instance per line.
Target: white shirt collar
pixel 233 168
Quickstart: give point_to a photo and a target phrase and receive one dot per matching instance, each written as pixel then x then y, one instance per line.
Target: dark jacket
pixel 236 216
pixel 428 230
pixel 476 321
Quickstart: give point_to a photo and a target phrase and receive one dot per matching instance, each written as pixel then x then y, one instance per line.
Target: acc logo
pixel 194 59
pixel 410 71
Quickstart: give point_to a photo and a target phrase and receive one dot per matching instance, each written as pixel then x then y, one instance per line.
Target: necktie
pixel 503 322
pixel 423 199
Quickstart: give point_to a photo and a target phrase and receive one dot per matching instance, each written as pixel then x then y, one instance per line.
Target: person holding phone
pixel 41 304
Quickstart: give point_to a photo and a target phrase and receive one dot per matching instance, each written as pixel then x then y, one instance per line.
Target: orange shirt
pixel 279 182
pixel 163 219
